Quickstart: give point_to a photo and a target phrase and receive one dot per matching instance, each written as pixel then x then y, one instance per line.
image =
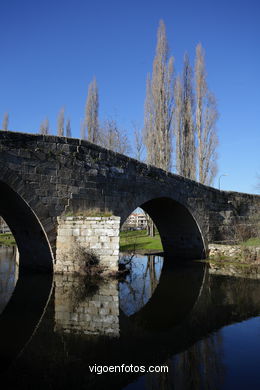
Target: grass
pixel 89 213
pixel 138 240
pixel 7 239
pixel 252 242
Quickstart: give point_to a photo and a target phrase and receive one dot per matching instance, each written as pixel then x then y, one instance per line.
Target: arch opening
pixel 34 250
pixel 177 235
pixel 180 234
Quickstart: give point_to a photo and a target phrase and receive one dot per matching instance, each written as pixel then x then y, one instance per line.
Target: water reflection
pixel 160 315
pixel 84 310
pixel 23 303
pixel 139 285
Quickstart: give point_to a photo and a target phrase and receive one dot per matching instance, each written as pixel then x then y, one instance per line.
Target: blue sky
pixel 51 50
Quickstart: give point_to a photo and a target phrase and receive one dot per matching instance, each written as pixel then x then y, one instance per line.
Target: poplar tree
pixel 68 128
pixel 60 131
pixel 138 142
pixel 91 117
pixel 159 105
pixel 187 145
pixel 206 117
pixel 5 121
pixel 45 127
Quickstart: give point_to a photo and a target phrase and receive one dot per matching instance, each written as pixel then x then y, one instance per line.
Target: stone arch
pixel 16 207
pixel 181 234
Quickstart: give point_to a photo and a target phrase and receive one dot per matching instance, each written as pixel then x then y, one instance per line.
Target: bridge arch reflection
pixel 173 299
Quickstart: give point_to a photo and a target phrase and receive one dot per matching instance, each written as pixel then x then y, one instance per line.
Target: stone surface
pixel 45 177
pixel 90 233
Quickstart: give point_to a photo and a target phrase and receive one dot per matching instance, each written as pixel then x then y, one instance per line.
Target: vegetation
pixel 45 127
pixel 252 242
pixel 91 117
pixel 60 123
pixel 138 240
pixel 5 121
pixel 159 106
pixel 7 239
pixel 184 108
pixel 88 213
pixel 68 128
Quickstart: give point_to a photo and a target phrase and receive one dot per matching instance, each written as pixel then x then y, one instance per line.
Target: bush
pixel 88 260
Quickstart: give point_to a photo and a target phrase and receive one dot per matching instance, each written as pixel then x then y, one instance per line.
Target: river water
pixel 201 328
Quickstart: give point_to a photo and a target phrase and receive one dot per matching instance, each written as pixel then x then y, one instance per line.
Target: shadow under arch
pixel 33 245
pixel 180 234
pixel 24 310
pixel 22 314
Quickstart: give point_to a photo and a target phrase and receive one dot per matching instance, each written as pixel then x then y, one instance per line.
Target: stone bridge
pixel 56 188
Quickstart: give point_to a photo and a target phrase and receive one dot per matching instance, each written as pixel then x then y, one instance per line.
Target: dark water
pixel 205 328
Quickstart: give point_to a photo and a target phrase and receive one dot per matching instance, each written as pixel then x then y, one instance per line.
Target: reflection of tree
pixel 199 367
pixel 161 380
pixel 140 284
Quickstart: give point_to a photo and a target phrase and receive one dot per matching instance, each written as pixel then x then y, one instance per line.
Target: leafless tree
pixel 258 182
pixel 83 129
pixel 60 123
pixel 68 128
pixel 206 117
pixel 45 127
pixel 91 117
pixel 178 124
pixel 138 142
pixel 187 144
pixel 5 121
pixel 184 123
pixel 159 105
pixel 112 138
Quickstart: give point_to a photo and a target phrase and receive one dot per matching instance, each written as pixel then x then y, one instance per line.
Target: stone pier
pixel 100 234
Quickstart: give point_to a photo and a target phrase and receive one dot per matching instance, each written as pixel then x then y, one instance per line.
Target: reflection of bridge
pixel 204 304
pixel 44 177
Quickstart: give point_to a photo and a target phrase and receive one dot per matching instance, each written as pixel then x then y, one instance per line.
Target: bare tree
pixel 60 131
pixel 258 182
pixel 178 124
pixel 45 127
pixel 112 138
pixel 5 121
pixel 184 123
pixel 83 129
pixel 91 117
pixel 206 117
pixel 188 162
pixel 138 142
pixel 159 105
pixel 68 128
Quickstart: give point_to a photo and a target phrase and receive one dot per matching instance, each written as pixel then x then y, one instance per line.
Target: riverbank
pixel 240 253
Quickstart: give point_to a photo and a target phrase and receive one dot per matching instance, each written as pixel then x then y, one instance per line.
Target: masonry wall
pixel 55 176
pixel 100 234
